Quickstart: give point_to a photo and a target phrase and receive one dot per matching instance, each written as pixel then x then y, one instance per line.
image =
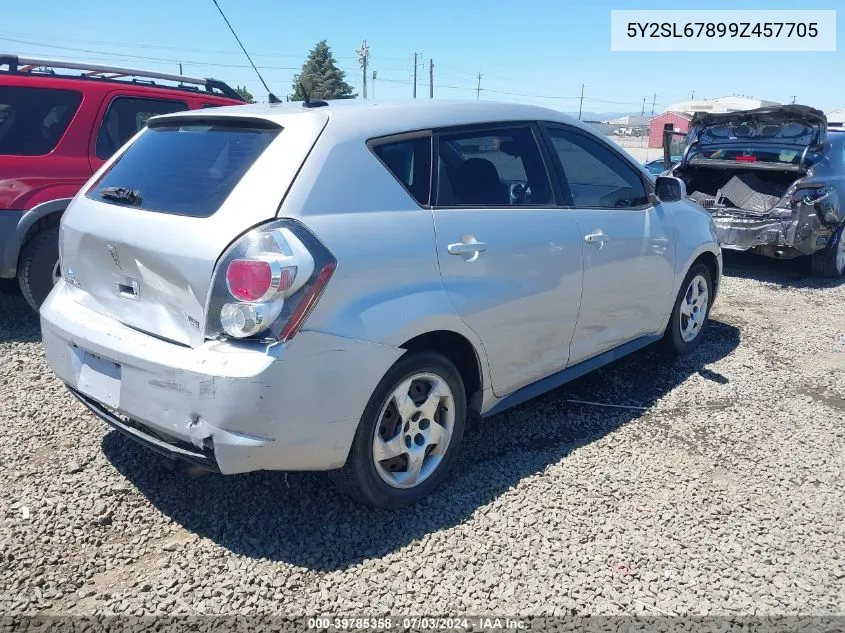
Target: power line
pixel 453 86
pixel 168 60
pixel 177 48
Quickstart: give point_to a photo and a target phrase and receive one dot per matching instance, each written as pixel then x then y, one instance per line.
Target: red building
pixel 675 121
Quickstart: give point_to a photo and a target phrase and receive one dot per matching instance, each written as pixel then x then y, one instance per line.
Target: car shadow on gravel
pixel 300 519
pixel 786 273
pixel 18 322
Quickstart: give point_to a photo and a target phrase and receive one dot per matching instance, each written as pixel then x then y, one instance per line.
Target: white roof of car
pixel 373 118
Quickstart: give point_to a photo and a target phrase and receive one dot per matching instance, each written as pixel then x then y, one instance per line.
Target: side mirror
pixel 669 189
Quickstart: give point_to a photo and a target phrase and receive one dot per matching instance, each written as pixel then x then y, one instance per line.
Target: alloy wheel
pixel 693 310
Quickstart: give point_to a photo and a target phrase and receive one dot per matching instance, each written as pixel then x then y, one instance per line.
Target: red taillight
pixel 311 296
pixel 249 279
pixel 267 282
pixel 747 159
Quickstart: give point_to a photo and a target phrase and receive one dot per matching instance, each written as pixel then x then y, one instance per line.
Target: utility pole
pixel 653 101
pixel 478 88
pixel 581 103
pixel 375 74
pixel 692 95
pixel 794 97
pixel 643 110
pixel 415 75
pixel 431 78
pixel 363 59
pixel 180 68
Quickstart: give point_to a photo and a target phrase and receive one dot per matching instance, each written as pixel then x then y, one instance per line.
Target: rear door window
pixel 409 160
pixel 184 168
pixel 33 120
pixel 125 117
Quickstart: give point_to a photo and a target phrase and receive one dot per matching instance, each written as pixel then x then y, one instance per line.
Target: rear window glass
pixel 184 169
pixel 757 154
pixel 33 120
pixel 791 132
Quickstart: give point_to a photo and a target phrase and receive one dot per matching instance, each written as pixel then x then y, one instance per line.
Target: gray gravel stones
pixel 725 496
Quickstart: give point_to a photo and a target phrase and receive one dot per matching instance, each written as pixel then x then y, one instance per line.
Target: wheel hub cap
pixel 694 308
pixel 414 430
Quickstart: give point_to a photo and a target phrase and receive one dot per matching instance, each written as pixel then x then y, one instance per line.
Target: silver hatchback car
pixel 338 286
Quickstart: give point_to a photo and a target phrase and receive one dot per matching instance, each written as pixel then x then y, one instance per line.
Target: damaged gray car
pixel 773 179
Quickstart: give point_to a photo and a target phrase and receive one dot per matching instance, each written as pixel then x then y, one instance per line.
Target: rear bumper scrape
pixel 292 406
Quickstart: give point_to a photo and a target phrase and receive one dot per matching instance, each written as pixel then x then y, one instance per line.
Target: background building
pixel 836 118
pixel 675 121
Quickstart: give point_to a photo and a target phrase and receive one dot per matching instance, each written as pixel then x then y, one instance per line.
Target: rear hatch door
pixel 781 138
pixel 142 239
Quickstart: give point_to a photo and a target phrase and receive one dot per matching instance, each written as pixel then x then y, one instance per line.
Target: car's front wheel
pixel 830 262
pixel 691 311
pixel 409 435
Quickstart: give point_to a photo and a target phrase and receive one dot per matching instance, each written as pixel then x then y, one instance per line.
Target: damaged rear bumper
pixel 776 236
pixel 227 406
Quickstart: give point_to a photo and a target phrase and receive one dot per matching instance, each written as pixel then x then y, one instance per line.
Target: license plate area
pixel 97 377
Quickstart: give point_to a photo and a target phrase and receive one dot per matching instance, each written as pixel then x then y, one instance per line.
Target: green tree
pixel 246 94
pixel 320 76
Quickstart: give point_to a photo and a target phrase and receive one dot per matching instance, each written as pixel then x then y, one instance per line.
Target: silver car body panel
pixel 616 309
pixel 520 295
pixel 296 405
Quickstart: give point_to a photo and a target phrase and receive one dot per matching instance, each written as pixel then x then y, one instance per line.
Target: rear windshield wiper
pixel 121 194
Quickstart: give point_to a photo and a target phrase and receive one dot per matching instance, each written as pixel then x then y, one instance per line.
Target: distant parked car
pixel 55 131
pixel 773 180
pixel 263 288
pixel 656 166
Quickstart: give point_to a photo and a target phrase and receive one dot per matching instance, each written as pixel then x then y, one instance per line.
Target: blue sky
pixel 538 51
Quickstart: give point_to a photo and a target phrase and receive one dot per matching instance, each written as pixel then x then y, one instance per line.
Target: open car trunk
pixel 753 171
pixel 756 193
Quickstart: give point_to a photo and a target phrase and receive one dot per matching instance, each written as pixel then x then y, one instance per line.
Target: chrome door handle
pixel 466 248
pixel 596 238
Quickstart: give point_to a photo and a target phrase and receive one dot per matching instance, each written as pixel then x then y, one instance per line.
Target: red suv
pixel 59 122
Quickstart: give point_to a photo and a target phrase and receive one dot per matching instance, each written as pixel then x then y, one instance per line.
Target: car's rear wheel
pixel 38 267
pixel 691 311
pixel 409 435
pixel 830 262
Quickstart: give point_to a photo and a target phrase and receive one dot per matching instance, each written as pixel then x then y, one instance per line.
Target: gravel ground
pixel 722 495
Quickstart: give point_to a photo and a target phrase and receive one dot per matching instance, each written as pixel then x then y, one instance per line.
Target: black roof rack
pixel 28 65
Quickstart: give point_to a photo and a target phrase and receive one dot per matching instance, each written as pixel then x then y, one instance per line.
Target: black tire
pixel 673 341
pixel 37 261
pixel 824 264
pixel 359 477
